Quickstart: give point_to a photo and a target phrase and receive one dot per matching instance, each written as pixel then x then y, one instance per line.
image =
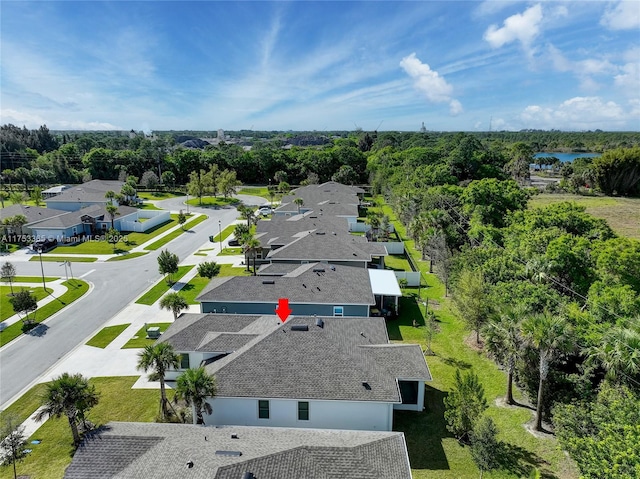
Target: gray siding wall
pixel 269 308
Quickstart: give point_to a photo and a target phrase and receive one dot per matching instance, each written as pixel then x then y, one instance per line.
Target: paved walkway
pixel 57 290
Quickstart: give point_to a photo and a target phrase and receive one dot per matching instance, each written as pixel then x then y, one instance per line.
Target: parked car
pixel 265 210
pixel 234 241
pixel 44 245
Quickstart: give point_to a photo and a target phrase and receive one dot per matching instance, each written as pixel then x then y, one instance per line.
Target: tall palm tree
pixel 504 341
pixel 158 358
pixel 619 351
pixel 298 202
pixel 112 211
pixel 194 386
pixel 173 302
pixel 71 396
pixel 551 335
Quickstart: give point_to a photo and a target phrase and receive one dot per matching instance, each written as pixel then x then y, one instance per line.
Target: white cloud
pixel 455 107
pixel 523 27
pixel 578 113
pixel 624 16
pixel 628 77
pixel 429 82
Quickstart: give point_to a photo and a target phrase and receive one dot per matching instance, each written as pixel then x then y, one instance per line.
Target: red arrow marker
pixel 283 310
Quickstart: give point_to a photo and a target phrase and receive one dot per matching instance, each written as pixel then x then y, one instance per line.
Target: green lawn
pixel 213 201
pixel 102 247
pixel 157 195
pixel 60 259
pixel 432 450
pixel 148 206
pixel 225 233
pixel 140 339
pixel 6 308
pixel 397 262
pixel 259 191
pixel 174 234
pixel 162 287
pixel 194 287
pixel 104 337
pixel 75 289
pixel 124 256
pixel 622 214
pixel 118 402
pixel 33 279
pixel 9 247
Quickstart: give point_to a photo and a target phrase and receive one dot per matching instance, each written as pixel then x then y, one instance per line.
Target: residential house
pixel 310 372
pixel 157 451
pixel 54 191
pixel 87 194
pixel 313 288
pixel 33 214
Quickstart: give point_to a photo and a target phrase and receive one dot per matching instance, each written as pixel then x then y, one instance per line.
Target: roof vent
pixel 299 327
pixel 189 464
pixel 333 268
pixel 318 270
pixel 320 233
pixel 366 385
pixel 320 323
pixel 229 453
pixel 234 436
pixel 268 281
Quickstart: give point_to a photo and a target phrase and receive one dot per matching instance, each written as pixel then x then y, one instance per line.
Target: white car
pixel 265 210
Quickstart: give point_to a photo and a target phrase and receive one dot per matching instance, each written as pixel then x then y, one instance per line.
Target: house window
pixel 303 411
pixel 338 310
pixel 263 409
pixel 184 361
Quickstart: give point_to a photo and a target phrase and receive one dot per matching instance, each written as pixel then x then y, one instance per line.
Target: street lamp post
pixel 220 234
pixel 42 269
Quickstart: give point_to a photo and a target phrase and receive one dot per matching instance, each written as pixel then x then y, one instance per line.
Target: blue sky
pixel 204 65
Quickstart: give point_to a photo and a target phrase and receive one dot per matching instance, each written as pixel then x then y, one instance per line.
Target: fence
pixel 154 218
pixel 413 277
pixel 394 247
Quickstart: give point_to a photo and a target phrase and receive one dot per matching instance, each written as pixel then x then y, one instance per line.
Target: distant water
pixel 564 157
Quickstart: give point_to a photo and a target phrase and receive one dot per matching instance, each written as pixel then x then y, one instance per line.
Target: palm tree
pixel 173 302
pixel 69 395
pixel 246 213
pixel 619 351
pixel 159 357
pixel 251 244
pixel 298 202
pixel 551 335
pixel 194 386
pixel 504 341
pixel 112 211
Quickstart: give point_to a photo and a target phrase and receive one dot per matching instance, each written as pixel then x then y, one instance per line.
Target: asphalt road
pixel 114 286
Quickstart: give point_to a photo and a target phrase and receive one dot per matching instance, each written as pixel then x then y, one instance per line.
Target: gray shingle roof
pixel 330 362
pixel 336 285
pixel 92 191
pixel 73 218
pixel 32 213
pixel 154 451
pixel 327 247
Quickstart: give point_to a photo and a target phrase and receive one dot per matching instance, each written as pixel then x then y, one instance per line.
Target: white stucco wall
pixel 363 415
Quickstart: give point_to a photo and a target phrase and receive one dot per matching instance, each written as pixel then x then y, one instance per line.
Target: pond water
pixel 564 157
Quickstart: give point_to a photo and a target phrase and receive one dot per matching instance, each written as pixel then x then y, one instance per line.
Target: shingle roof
pixel 154 451
pixel 92 191
pixel 337 284
pixel 73 218
pixel 325 246
pixel 32 213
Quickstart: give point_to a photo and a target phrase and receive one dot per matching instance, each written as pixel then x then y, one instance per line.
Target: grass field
pixel 225 233
pixel 213 201
pixel 162 287
pixel 6 308
pixel 174 234
pixel 104 337
pixel 75 289
pixel 140 339
pixel 622 214
pixel 118 402
pixel 230 252
pixel 156 195
pixel 33 279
